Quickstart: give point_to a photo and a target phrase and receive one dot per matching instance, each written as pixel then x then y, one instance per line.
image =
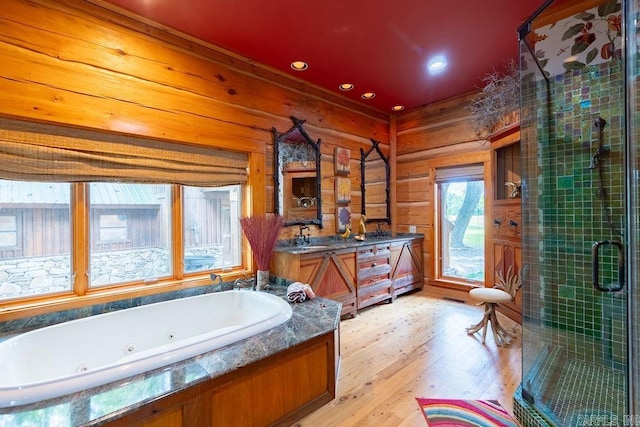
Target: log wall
pixel 89 65
pixel 435 135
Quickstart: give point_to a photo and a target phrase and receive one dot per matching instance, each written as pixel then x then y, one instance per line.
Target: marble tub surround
pixel 86 353
pixel 99 405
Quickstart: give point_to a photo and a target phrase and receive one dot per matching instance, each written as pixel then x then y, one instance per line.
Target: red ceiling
pixel 380 46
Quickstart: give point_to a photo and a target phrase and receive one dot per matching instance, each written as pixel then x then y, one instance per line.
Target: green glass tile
pixel 565 182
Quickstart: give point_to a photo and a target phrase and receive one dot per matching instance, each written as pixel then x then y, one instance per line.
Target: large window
pixel 113 234
pixel 212 234
pixel 36 259
pixel 130 232
pixel 460 226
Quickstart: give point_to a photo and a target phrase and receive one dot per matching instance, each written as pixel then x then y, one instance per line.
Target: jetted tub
pixel 84 353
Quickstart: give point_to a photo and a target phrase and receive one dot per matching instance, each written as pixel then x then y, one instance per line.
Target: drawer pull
pixel 373 264
pixel 497 222
pixel 513 223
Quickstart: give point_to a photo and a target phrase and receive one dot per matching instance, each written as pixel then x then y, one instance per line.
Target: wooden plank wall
pixel 435 135
pixel 87 64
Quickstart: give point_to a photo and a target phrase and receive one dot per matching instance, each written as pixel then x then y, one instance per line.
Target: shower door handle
pixel 595 258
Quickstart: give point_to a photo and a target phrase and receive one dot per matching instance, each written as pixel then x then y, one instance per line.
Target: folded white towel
pixel 296 293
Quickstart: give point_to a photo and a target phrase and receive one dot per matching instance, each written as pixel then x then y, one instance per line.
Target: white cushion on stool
pixel 489 295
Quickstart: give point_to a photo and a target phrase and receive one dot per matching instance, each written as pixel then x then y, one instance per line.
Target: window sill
pixel 12 310
pixel 452 283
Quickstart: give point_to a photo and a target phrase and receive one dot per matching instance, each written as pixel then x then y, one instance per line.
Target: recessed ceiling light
pixel 346 86
pixel 368 95
pixel 397 108
pixel 299 65
pixel 437 64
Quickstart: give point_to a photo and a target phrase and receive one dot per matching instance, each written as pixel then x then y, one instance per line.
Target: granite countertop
pixel 319 244
pixel 105 403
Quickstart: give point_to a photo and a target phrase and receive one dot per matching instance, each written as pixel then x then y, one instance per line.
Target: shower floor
pixel 574 392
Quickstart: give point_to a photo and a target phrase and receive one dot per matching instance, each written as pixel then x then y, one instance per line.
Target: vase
pixel 262 280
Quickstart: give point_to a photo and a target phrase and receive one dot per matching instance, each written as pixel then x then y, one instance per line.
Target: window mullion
pixel 177 231
pixel 80 237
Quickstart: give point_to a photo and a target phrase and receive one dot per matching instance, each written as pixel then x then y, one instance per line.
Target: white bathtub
pixel 80 354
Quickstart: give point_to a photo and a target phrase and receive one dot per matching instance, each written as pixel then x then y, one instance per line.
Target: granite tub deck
pixel 73 356
pixel 100 405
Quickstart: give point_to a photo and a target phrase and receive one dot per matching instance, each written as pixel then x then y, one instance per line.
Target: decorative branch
pixel 498 104
pixel 262 232
pixel 510 284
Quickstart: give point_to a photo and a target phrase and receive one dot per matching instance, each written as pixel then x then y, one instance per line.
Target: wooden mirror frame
pixel 278 140
pixel 363 158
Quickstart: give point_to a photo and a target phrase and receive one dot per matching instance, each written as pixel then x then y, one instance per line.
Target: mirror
pixel 374 185
pixel 296 176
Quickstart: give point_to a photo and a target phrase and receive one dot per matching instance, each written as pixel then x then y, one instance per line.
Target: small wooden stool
pixel 490 297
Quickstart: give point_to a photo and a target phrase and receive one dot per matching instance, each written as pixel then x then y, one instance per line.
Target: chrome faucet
pixel 241 284
pixel 217 277
pixel 303 239
pixel 379 230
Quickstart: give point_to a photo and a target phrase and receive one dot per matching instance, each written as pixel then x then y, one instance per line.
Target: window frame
pixel 439 270
pixel 461 159
pixel 81 294
pixel 100 228
pixel 17 231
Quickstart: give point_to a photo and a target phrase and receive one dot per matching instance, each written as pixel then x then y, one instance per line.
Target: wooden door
pixel 407 267
pixel 332 274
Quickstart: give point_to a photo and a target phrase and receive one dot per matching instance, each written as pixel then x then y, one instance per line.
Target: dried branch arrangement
pixel 510 284
pixel 262 232
pixel 498 104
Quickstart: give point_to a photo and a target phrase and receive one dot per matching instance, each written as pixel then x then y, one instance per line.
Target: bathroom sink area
pixel 308 248
pixel 352 272
pixel 335 243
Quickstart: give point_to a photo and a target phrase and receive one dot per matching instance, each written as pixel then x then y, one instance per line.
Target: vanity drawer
pixel 372 258
pixel 375 292
pixel 374 275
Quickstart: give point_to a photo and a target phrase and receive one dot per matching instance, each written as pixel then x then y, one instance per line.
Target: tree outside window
pixel 461 230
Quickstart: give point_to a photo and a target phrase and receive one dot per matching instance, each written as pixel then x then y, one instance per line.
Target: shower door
pixel 577 168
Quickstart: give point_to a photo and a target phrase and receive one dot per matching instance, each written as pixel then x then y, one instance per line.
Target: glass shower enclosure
pixel 579 140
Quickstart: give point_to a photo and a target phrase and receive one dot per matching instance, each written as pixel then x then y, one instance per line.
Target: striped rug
pixel 453 412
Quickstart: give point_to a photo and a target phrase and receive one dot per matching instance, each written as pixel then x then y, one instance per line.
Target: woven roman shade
pixel 474 172
pixel 39 152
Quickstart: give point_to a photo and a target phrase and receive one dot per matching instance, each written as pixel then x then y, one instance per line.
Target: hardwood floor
pixel 416 347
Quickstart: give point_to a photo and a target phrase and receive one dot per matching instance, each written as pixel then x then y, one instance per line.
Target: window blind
pixel 474 172
pixel 39 152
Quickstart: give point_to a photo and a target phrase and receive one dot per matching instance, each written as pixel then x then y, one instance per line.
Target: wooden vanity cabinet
pixel 374 283
pixel 357 276
pixel 331 274
pixel 407 266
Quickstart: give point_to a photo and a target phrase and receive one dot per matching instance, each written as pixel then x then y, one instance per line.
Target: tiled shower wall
pixel 565 212
pixel 571 215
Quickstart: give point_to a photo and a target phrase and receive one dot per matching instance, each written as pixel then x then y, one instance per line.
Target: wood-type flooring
pixel 416 347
